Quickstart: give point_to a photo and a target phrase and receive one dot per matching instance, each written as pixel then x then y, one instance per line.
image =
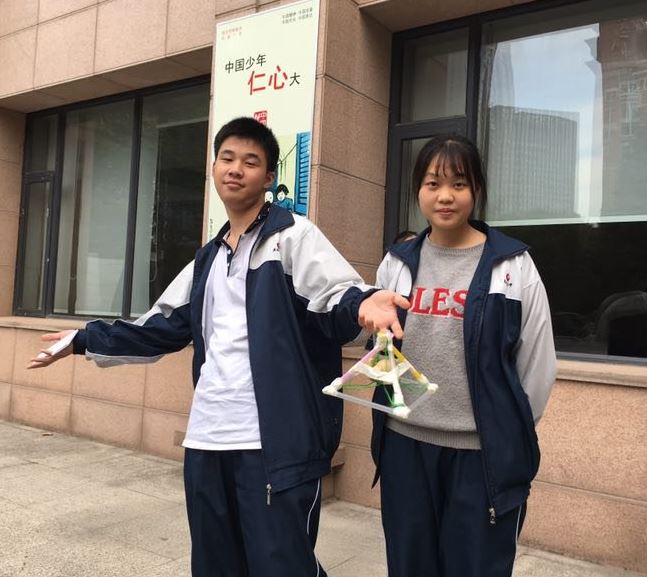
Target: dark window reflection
pixel 179 196
pixel 596 279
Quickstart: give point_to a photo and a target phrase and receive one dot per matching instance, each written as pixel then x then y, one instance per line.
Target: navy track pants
pixel 435 513
pixel 234 532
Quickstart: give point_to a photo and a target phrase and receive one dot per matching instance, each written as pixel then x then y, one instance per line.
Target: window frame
pixel 399 132
pixel 55 178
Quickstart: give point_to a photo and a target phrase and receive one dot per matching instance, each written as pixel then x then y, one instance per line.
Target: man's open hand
pixel 380 312
pixel 45 358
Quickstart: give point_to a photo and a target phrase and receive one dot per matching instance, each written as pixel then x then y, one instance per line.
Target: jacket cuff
pixel 79 342
pixel 360 299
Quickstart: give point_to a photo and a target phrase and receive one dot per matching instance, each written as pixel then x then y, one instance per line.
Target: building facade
pixel 104 117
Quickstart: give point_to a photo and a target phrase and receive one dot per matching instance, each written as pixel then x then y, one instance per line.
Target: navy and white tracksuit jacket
pixel 509 355
pixel 302 305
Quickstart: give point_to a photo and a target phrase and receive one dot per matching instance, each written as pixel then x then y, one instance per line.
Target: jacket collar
pixel 277 219
pixel 498 246
pixel 271 218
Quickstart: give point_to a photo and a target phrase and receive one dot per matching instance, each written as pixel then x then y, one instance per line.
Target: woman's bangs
pixel 449 162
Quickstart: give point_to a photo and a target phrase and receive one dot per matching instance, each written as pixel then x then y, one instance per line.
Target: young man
pixel 268 304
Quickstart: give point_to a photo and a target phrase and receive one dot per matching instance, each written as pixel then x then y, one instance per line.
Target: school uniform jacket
pixel 302 305
pixel 509 355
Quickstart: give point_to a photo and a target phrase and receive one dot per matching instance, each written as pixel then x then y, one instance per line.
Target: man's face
pixel 240 174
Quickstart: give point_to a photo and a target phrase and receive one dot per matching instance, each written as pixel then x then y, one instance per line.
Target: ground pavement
pixel 71 507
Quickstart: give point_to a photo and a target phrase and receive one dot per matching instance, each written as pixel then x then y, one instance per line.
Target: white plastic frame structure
pixel 392 374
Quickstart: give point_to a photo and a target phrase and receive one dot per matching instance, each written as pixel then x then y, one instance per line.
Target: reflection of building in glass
pixel 501 84
pixel 532 163
pixel 622 53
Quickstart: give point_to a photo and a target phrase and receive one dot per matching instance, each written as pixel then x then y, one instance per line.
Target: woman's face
pixel 446 199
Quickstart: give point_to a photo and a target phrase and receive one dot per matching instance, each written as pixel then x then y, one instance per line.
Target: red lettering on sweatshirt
pixel 444 302
pixel 417 297
pixel 459 298
pixel 440 298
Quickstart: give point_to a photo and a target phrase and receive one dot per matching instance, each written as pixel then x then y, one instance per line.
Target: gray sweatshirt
pixel 434 345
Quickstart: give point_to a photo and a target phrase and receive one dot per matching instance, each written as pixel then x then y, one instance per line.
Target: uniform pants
pixel 435 513
pixel 234 532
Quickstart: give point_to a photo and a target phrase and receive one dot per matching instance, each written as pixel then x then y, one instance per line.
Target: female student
pixel 455 475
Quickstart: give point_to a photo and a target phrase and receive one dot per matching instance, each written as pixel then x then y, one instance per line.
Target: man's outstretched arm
pixel 165 328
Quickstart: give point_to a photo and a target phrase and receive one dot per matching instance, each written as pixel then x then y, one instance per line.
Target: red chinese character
pixel 274 79
pixel 254 76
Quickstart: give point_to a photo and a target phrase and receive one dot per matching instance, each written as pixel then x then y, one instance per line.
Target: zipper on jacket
pixel 268 487
pixel 477 415
pixel 491 509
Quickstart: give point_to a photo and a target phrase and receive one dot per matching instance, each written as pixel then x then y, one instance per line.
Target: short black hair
pixel 458 154
pixel 282 188
pixel 250 129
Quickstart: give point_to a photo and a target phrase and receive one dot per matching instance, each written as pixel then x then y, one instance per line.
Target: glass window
pixel 35 224
pixel 112 207
pixel 563 118
pixel 40 161
pixel 410 217
pixel 94 210
pixel 40 153
pixel 434 76
pixel 171 189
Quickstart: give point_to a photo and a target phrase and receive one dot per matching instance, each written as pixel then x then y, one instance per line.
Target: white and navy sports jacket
pixel 302 305
pixel 509 355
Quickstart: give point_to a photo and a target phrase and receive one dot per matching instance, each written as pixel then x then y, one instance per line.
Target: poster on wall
pixel 264 66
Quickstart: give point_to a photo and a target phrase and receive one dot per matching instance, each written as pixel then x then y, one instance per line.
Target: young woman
pixel 455 475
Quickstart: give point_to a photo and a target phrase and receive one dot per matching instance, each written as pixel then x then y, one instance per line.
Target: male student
pixel 268 304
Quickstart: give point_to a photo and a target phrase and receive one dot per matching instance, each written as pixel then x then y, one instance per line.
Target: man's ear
pixel 269 179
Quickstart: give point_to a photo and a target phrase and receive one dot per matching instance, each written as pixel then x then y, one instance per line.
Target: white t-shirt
pixel 224 415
